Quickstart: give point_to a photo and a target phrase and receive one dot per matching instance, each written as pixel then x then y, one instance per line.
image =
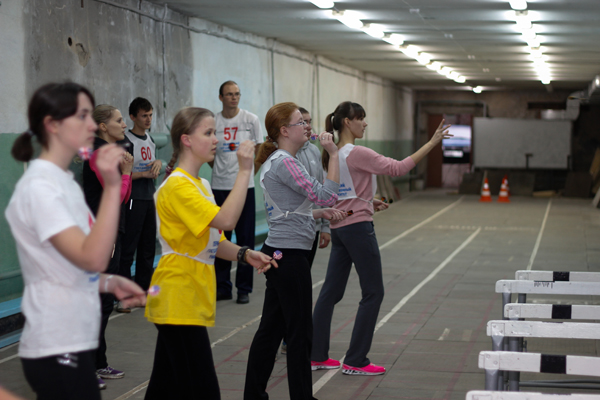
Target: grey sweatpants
pixel 356 244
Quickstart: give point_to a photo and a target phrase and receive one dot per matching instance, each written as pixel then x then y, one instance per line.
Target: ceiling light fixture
pixel 529 34
pixel 411 51
pixel 348 18
pixel 453 75
pixel 477 89
pixel 546 81
pixel 460 79
pixel 424 58
pixel 523 24
pixel 434 66
pixel 445 71
pixel 374 30
pixel 518 4
pixel 394 38
pixel 322 3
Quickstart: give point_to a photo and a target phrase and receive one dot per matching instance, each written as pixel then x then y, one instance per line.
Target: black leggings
pixel 65 376
pixel 287 311
pixel 183 365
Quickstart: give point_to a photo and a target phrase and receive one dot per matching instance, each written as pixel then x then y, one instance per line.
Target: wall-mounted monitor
pixel 457 149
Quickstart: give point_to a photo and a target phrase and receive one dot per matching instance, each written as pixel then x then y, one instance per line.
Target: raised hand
pixel 126 163
pixel 245 155
pixel 108 160
pixel 441 133
pixel 327 142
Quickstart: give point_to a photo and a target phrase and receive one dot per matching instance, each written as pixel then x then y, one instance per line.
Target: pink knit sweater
pixel 362 163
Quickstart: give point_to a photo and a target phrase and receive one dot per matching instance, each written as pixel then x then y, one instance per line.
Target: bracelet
pixel 241 255
pixel 108 278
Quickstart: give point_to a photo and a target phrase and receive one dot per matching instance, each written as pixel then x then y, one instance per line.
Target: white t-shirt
pixel 231 132
pixel 60 301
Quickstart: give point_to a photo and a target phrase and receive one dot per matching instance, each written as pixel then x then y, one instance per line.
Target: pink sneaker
pixel 330 363
pixel 370 369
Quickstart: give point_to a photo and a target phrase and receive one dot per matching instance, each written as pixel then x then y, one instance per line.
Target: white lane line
pixel 133 391
pixel 329 374
pixel 9 358
pixel 444 334
pixel 539 238
pixel 414 228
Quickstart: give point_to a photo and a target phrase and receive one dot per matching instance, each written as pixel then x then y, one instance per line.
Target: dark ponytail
pixel 55 100
pixel 335 120
pixel 22 149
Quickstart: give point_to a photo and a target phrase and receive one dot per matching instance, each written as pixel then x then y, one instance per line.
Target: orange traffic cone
pixel 485 192
pixel 503 197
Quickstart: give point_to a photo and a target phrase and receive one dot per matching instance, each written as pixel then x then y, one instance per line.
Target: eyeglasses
pixel 301 123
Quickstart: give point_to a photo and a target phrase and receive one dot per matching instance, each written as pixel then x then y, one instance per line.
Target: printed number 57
pixel 228 132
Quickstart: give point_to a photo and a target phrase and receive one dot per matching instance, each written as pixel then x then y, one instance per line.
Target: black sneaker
pixel 224 296
pixel 243 298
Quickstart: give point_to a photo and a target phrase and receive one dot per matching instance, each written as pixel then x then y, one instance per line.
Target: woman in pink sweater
pixel 353 239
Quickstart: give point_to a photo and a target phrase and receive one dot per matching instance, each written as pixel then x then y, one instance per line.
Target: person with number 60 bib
pixel 140 218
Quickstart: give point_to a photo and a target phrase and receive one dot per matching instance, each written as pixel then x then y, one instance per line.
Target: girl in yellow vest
pixel 190 230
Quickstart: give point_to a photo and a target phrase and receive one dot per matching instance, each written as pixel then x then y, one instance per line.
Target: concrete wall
pixel 123 50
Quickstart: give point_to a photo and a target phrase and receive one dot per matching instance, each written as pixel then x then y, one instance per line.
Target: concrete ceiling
pixel 476 38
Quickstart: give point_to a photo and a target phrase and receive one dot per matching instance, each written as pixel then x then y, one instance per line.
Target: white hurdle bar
pixel 494 361
pixel 551 311
pixel 515 331
pixel 508 287
pixel 490 395
pixel 557 276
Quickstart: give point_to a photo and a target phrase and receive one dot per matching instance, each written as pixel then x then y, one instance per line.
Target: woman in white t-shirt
pixel 62 250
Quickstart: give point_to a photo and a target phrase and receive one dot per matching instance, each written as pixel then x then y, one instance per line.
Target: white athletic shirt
pixel 231 132
pixel 144 153
pixel 60 301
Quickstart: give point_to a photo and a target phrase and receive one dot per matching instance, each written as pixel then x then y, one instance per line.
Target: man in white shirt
pixel 233 126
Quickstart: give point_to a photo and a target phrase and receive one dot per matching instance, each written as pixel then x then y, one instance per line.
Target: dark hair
pixel 279 115
pixel 335 122
pixel 56 100
pixel 303 110
pixel 184 123
pixel 139 103
pixel 225 84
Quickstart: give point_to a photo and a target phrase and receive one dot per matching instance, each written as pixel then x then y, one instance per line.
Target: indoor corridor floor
pixel 442 255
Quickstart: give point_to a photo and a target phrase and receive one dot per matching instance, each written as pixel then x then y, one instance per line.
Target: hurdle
pixel 514 311
pixel 557 276
pixel 515 331
pixel 494 361
pixel 490 395
pixel 522 288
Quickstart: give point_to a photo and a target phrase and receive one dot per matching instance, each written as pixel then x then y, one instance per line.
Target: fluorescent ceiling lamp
pixel 374 30
pixel 523 24
pixel 535 54
pixel 322 3
pixel 546 81
pixel 424 58
pixel 533 43
pixel 394 39
pixel 460 79
pixel 528 34
pixel 518 4
pixel 477 89
pixel 347 18
pixel 445 71
pixel 411 51
pixel 435 66
pixel 453 75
